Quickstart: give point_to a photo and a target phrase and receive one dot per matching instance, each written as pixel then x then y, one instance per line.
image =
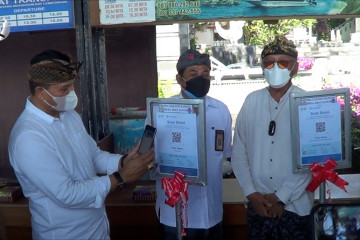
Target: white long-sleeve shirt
pixel 56 163
pixel 205 204
pixel 263 163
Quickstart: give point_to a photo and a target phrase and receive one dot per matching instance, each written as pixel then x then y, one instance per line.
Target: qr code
pixel 110 1
pixel 176 137
pixel 320 127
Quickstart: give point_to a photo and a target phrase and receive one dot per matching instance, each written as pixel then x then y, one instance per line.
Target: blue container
pixel 127 133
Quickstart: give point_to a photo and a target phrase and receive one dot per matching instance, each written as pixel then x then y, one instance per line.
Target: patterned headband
pixel 281 45
pixel 53 71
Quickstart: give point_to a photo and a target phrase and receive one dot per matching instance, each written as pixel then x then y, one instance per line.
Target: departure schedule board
pixel 28 15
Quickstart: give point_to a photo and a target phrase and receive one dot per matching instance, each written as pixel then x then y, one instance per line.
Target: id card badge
pixel 219 140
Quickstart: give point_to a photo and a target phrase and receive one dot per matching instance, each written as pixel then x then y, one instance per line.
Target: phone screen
pixel 147 139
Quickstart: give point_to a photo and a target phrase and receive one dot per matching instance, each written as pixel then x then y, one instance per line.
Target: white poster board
pixel 180 139
pixel 320 123
pixel 126 11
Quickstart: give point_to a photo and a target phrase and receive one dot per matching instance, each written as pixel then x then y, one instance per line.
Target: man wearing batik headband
pixel 278 205
pixel 59 166
pixel 205 205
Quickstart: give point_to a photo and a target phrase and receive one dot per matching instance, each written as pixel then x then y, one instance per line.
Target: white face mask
pixel 277 77
pixel 64 103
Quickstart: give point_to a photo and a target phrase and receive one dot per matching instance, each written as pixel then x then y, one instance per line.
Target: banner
pixel 165 11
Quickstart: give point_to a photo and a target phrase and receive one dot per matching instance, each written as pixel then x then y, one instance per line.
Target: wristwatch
pixel 120 182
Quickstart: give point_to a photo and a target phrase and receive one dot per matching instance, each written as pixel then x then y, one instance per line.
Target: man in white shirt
pixel 205 205
pixel 57 162
pixel 279 206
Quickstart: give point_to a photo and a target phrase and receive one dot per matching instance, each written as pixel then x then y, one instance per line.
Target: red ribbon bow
pixel 322 173
pixel 175 190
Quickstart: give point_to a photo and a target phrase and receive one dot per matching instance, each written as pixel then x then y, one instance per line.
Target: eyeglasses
pixel 281 64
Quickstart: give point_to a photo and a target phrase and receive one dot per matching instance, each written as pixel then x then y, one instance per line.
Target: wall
pixel 16 52
pixel 131 66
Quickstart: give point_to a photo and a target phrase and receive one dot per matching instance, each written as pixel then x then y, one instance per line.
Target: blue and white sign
pixel 320 131
pixel 34 15
pixel 320 128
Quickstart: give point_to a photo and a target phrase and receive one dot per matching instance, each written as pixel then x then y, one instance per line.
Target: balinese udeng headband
pixel 190 58
pixel 281 45
pixel 53 71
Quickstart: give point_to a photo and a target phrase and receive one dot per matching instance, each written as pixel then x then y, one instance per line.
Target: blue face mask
pixel 197 87
pixel 277 77
pixel 190 94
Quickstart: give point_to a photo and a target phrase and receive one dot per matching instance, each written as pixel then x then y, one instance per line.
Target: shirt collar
pixel 31 107
pixel 285 96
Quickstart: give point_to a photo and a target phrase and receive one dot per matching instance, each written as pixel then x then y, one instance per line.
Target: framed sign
pixel 180 139
pixel 320 123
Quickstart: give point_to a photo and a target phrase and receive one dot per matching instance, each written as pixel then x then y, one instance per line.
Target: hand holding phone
pixel 147 139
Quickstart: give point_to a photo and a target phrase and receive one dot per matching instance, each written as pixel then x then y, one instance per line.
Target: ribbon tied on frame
pixel 176 190
pixel 326 172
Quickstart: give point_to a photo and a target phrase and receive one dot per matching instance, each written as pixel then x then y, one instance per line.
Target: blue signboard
pixel 34 15
pixel 180 10
pixel 167 11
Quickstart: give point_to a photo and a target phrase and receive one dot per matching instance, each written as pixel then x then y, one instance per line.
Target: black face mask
pixel 198 86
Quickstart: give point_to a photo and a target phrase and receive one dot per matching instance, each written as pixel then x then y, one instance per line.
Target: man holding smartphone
pixel 57 162
pixel 205 205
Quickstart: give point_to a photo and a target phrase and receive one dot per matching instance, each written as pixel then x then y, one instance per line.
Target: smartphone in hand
pixel 147 139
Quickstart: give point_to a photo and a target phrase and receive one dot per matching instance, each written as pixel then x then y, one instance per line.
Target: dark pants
pixel 170 233
pixel 289 226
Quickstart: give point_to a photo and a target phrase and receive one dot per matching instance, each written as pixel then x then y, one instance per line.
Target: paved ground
pixel 234 92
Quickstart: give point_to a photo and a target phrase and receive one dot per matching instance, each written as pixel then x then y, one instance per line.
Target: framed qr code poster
pixel 320 124
pixel 180 139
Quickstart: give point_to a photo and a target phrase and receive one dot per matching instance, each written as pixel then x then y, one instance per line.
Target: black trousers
pixel 213 233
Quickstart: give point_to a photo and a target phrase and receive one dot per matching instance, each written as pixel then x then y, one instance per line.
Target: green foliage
pixel 259 32
pixel 352 7
pixel 323 29
pixel 355 131
pixel 193 42
pixel 335 22
pixel 165 89
pixel 160 89
pixel 200 26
